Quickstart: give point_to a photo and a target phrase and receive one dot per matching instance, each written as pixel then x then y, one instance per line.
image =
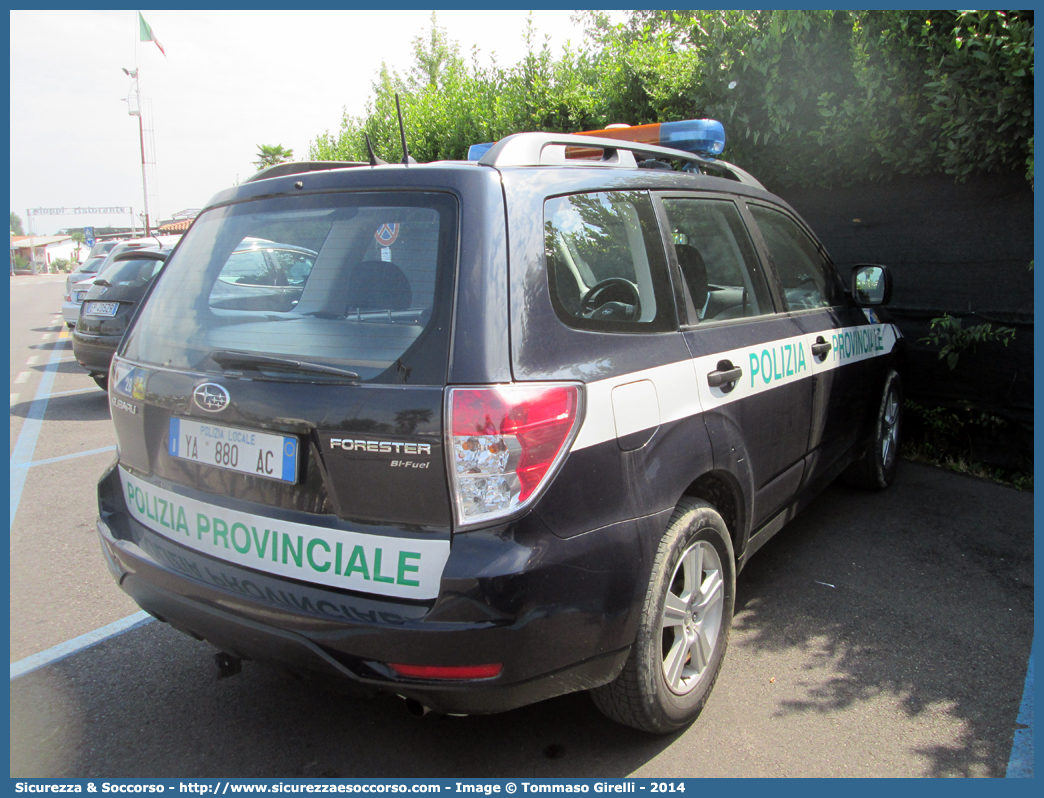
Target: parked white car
pixel 74 299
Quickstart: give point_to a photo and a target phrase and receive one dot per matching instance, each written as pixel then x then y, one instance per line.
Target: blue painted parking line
pixel 66 457
pixel 70 393
pixel 1020 765
pixel 26 444
pixel 78 644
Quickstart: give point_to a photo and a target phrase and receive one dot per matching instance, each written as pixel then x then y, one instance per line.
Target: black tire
pixel 875 470
pixel 70 325
pixel 102 381
pixel 642 696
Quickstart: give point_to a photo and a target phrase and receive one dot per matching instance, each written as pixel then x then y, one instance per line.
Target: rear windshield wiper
pixel 230 358
pixel 102 282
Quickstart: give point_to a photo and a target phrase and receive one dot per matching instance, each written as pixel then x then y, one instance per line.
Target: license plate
pixel 102 308
pixel 261 454
pixel 80 296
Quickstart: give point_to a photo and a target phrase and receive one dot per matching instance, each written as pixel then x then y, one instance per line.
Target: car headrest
pixel 694 270
pixel 378 285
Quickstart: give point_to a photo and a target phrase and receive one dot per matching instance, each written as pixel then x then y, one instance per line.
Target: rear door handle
pixel 821 347
pixel 725 375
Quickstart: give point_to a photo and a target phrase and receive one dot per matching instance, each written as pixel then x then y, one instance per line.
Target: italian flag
pixel 147 35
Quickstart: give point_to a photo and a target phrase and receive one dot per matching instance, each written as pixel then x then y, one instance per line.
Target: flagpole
pixel 141 123
pixel 145 34
pixel 141 134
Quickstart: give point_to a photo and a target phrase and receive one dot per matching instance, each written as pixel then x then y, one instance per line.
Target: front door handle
pixel 821 347
pixel 724 376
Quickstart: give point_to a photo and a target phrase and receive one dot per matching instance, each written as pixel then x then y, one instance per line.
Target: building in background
pixel 39 252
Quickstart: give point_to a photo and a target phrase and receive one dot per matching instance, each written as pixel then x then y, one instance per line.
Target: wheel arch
pixel 722 491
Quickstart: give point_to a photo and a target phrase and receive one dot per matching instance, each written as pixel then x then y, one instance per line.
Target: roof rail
pixel 300 167
pixel 542 149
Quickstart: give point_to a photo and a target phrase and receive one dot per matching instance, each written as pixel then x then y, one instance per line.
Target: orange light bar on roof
pixel 701 136
pixel 643 134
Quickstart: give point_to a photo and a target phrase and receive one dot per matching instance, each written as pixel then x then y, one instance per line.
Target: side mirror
pixel 871 285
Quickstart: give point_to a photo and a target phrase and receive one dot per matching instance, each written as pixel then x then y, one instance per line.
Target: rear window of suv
pixel 360 282
pixel 134 273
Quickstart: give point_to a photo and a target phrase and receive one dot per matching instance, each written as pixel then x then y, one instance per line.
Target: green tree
pixel 80 239
pixel 270 155
pixel 806 97
pixel 16 224
pixel 435 57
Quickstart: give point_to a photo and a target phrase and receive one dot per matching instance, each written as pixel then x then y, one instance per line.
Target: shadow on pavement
pixel 928 599
pixel 88 406
pixel 101 714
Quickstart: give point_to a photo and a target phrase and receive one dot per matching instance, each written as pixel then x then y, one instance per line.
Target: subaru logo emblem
pixel 211 397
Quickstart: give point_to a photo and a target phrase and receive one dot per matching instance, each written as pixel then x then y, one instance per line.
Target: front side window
pixel 606 266
pixel 808 279
pixel 279 269
pixel 246 268
pixel 717 260
pixel 356 282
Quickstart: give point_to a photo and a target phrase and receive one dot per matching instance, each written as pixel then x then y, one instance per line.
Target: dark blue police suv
pixel 492 431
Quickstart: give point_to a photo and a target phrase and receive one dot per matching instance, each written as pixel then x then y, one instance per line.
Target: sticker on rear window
pixel 386 234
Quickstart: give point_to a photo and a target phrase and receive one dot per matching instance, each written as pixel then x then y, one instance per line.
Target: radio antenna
pixel 406 159
pixel 374 160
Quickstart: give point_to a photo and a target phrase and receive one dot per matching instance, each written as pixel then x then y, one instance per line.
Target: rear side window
pixel 717 260
pixel 134 273
pixel 360 282
pixel 606 266
pixel 808 279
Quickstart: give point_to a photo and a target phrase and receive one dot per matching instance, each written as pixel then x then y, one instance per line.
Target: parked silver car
pixel 77 283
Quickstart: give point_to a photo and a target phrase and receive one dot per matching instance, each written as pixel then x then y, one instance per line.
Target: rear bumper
pixel 70 312
pixel 559 615
pixel 95 352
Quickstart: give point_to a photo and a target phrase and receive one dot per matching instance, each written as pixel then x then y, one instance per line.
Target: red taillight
pixel 447 671
pixel 504 441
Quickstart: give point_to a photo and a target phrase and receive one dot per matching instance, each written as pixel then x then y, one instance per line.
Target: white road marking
pixel 33 360
pixel 22 377
pixel 78 644
pixel 102 450
pixel 92 389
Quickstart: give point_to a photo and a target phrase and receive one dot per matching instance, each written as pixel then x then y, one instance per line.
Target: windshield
pixel 91 265
pixel 102 248
pixel 357 282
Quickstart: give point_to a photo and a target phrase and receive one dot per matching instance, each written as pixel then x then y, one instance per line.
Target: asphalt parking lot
pixel 880 634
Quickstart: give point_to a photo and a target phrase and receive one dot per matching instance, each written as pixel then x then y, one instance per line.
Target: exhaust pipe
pixel 416 708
